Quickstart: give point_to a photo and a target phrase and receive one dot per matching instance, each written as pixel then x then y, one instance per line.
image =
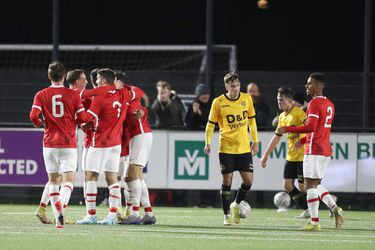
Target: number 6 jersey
pixel 59 106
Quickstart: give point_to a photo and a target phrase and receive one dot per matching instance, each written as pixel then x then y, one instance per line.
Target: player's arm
pixel 136 93
pixel 210 127
pixel 35 112
pixel 309 127
pixel 299 144
pixel 271 146
pixel 82 115
pixel 135 108
pixel 34 116
pixel 253 126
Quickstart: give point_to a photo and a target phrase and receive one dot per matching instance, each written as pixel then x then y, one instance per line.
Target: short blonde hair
pixel 163 84
pixel 231 77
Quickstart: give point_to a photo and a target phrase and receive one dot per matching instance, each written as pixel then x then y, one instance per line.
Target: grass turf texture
pixel 186 228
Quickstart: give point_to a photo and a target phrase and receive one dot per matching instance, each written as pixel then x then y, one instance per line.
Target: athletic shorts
pixel 101 160
pixel 60 160
pixel 315 166
pixel 140 149
pixel 124 165
pixel 236 162
pixel 293 170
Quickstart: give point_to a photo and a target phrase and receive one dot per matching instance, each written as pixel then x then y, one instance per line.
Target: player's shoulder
pixel 45 92
pixel 329 101
pixel 244 95
pixel 298 111
pixel 218 99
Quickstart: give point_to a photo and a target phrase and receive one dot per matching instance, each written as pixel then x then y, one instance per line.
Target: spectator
pixel 167 109
pixel 197 114
pixel 262 110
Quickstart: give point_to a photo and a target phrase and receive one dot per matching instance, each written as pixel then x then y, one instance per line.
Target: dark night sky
pixel 292 35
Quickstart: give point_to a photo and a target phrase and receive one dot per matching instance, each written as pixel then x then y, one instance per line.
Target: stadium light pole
pixel 367 64
pixel 55 29
pixel 209 35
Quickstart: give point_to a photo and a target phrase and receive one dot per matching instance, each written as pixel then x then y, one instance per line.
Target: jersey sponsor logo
pixel 237 121
pixel 190 161
pixel 225 106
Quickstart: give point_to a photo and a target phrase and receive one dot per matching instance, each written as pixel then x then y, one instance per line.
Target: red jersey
pixel 138 126
pixel 88 132
pixel 125 142
pixel 133 126
pixel 59 106
pixel 109 111
pixel 320 114
pixel 86 101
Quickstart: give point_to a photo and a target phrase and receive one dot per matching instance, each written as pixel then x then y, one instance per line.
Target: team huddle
pixel 117 142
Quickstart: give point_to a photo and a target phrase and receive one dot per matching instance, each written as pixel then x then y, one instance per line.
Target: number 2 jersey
pixel 59 107
pixel 233 119
pixel 320 115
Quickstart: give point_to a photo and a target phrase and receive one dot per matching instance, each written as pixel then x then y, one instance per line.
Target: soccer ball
pixel 281 200
pixel 244 209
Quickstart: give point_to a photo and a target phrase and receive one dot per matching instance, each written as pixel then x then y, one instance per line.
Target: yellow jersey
pixel 296 117
pixel 232 117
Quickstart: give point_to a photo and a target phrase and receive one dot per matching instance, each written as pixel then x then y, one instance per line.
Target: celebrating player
pixel 59 106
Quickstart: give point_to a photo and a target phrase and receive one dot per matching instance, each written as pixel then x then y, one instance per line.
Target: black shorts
pixel 293 170
pixel 236 162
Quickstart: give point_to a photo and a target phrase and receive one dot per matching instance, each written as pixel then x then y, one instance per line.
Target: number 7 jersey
pixel 59 106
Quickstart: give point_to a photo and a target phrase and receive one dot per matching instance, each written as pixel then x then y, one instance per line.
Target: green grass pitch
pixel 186 228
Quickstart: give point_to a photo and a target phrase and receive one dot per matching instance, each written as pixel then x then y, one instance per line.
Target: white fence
pixel 177 162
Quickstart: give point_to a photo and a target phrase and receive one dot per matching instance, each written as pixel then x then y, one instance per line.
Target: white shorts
pixel 315 166
pixel 84 158
pixel 101 160
pixel 124 165
pixel 60 160
pixel 140 149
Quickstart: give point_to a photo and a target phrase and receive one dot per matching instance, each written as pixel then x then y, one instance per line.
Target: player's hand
pixel 298 145
pixel 40 124
pixel 263 161
pixel 88 125
pixel 140 113
pixel 207 149
pixel 254 148
pixel 280 130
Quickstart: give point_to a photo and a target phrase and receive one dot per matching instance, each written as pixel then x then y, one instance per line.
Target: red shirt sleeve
pixel 136 92
pixel 311 122
pixel 134 106
pixel 35 111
